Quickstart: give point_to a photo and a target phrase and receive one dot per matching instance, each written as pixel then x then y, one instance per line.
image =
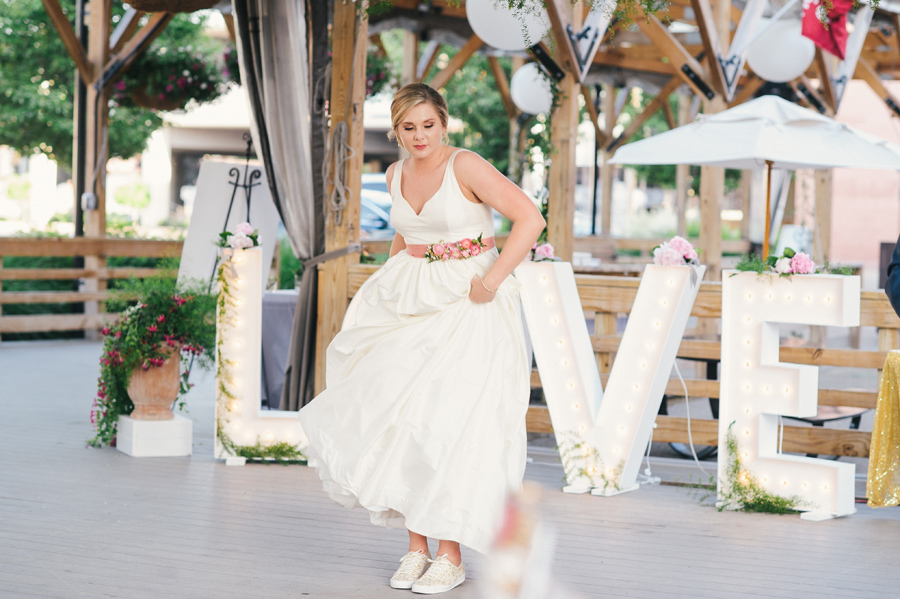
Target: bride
pixel 422 422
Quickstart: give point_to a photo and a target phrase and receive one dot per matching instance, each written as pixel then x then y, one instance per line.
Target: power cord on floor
pixel 687 405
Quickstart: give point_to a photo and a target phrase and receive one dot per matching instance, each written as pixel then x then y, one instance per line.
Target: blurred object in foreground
pixel 519 565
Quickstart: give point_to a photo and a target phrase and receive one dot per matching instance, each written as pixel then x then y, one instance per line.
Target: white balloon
pixel 530 90
pixel 502 29
pixel 781 54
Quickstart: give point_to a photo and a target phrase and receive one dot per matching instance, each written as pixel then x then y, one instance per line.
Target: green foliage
pixel 381 75
pixel 179 66
pixel 136 195
pixel 37 94
pixel 282 452
pixel 752 263
pixel 290 266
pixel 18 188
pixel 162 318
pixel 741 491
pixel 583 464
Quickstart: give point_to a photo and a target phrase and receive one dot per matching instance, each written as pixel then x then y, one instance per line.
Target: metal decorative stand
pixel 251 179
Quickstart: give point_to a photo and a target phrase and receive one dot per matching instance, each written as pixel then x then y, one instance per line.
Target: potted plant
pixel 148 351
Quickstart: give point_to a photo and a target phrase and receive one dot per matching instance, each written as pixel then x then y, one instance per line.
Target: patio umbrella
pixel 766 132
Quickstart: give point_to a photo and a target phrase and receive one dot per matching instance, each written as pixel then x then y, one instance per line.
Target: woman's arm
pixel 504 196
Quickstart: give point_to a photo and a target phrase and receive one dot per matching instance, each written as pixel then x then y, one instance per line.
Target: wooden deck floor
pixel 77 522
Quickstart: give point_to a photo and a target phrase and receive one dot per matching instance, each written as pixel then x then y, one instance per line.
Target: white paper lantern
pixel 502 29
pixel 781 54
pixel 530 90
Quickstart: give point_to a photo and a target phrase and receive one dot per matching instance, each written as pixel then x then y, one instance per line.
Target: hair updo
pixel 408 97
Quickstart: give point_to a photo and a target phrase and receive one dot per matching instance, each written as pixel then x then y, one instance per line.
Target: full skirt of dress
pixel 423 419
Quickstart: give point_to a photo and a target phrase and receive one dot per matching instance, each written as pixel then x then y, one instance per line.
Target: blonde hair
pixel 408 97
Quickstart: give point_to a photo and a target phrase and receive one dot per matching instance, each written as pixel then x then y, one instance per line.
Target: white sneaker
pixel 440 577
pixel 412 566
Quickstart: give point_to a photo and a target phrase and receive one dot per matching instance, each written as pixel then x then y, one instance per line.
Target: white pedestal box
pixel 155 438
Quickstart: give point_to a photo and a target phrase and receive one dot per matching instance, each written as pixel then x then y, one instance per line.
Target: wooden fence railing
pixel 67 247
pixel 608 296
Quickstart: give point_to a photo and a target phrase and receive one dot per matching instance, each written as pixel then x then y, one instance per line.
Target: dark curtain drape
pixel 273 47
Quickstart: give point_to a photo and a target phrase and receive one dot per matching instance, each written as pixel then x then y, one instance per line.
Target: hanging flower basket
pixel 155 102
pixel 171 5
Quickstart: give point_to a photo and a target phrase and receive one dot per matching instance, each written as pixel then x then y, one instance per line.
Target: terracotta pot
pixel 153 391
pixel 171 5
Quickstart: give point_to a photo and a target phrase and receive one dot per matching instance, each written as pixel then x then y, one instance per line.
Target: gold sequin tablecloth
pixel 883 484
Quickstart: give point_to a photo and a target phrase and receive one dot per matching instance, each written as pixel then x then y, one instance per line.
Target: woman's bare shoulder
pixel 389 175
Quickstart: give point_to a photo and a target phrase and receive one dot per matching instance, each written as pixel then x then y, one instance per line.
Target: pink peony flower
pixel 475 250
pixel 454 251
pixel 802 264
pixel 683 247
pixel 465 244
pixel 245 228
pixel 445 257
pixel 239 240
pixel 665 255
pixel 544 252
pixel 438 249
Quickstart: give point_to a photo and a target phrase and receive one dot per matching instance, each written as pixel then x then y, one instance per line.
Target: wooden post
pixel 682 171
pixel 410 57
pixel 607 170
pixel 745 187
pixel 517 135
pixel 97 147
pixel 348 77
pixel 823 215
pixel 562 172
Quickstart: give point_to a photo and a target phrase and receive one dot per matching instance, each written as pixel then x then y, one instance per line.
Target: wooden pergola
pixel 700 63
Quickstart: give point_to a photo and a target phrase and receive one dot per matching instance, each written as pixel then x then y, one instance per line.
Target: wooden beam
pixel 747 92
pixel 657 103
pixel 687 66
pixel 55 322
pixel 670 116
pixel 138 43
pixel 84 246
pixel 503 87
pixel 70 40
pixel 823 219
pixel 376 41
pixel 624 61
pixel 711 44
pixel 866 72
pixel 560 12
pixel 347 89
pixel 602 138
pixel 426 60
pixel 229 25
pixel 125 29
pixel 459 59
pixel 68 274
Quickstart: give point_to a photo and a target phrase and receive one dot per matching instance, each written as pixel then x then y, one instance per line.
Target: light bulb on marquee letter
pixel 751 373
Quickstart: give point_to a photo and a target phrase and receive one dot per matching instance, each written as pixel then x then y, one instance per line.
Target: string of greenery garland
pixel 739 490
pixel 281 451
pixel 583 463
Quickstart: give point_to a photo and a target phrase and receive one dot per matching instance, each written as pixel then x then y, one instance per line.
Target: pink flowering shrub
pixel 165 320
pixel 543 252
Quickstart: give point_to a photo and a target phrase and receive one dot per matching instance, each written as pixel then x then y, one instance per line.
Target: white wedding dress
pixel 423 419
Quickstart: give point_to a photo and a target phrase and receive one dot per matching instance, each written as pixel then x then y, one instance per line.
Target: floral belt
pixel 453 250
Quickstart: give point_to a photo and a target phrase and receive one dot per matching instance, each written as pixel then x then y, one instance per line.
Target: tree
pixel 37 83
